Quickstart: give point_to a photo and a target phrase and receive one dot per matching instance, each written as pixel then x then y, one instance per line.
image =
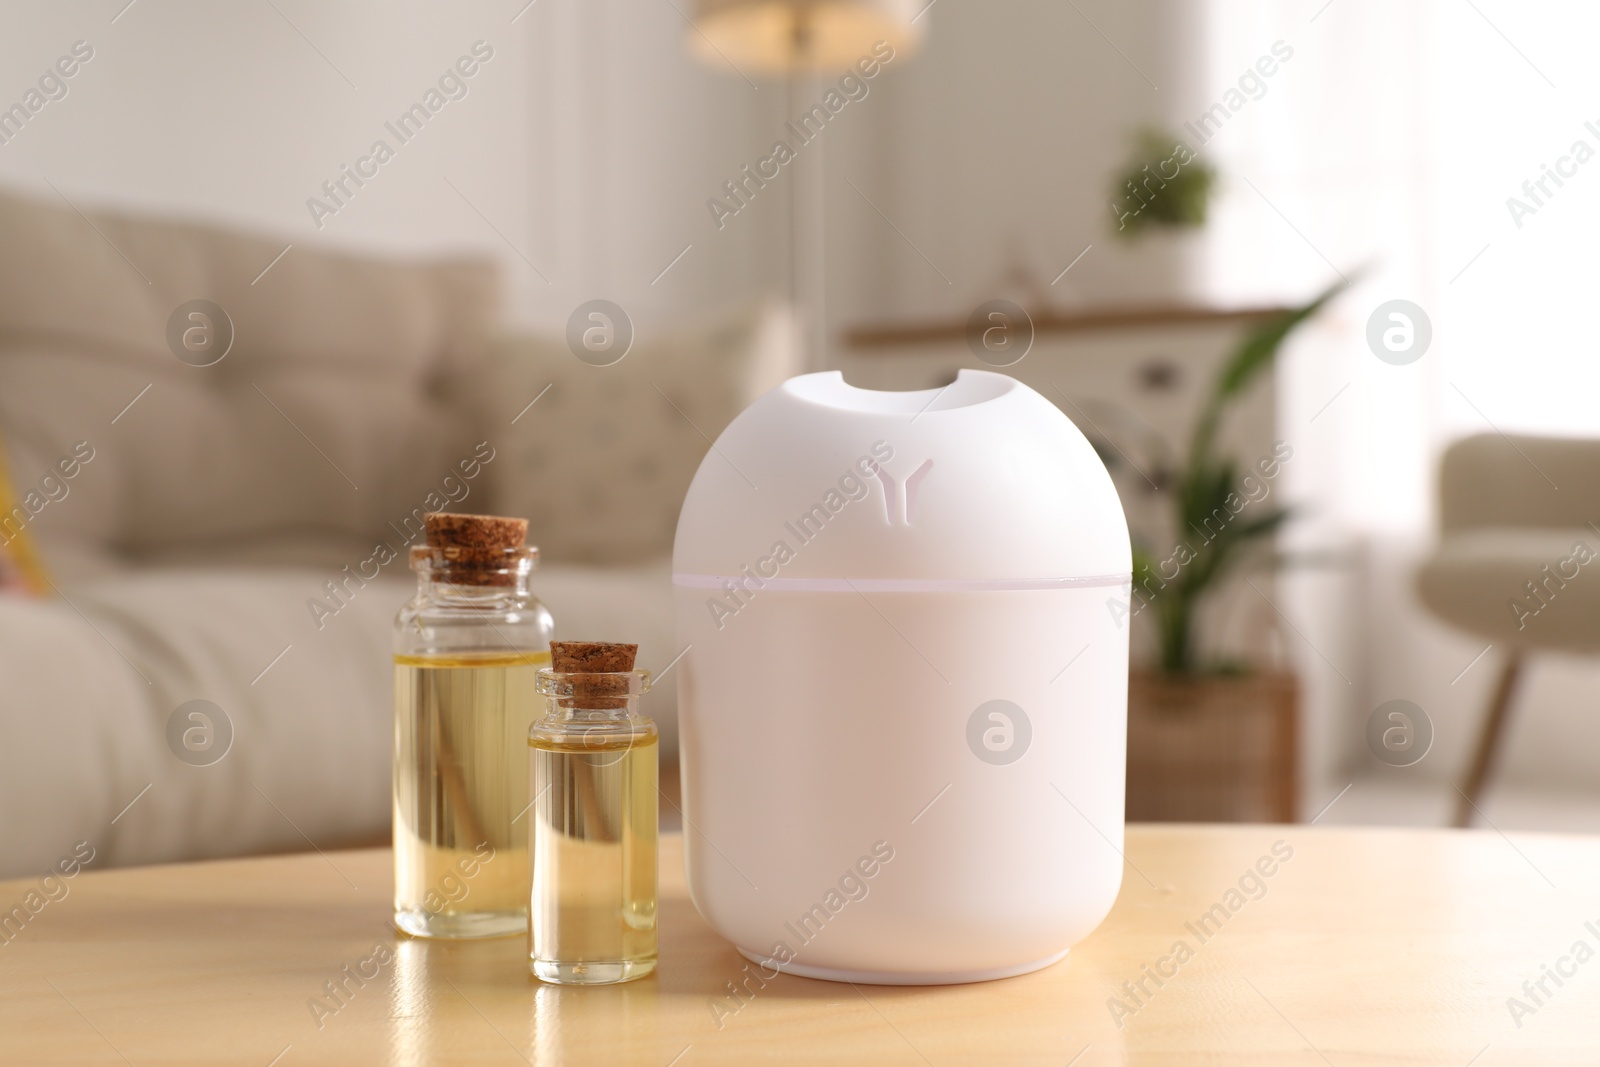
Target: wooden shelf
pixel 895 335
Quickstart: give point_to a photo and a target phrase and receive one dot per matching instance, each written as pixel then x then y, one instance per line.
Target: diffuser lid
pixel 982 482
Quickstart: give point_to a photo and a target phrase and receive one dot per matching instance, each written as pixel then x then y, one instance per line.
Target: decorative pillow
pixel 325 405
pixel 20 569
pixel 600 463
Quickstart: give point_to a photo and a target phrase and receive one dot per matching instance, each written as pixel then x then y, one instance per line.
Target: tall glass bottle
pixel 466 651
pixel 594 770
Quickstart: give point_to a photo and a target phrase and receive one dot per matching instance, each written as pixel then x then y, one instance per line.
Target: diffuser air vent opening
pixel 829 389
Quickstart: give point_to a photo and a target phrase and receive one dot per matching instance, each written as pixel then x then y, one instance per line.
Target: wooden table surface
pixel 1364 947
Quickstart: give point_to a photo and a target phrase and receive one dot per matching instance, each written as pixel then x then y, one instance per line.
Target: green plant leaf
pixel 1229 547
pixel 1204 483
pixel 1263 525
pixel 1146 193
pixel 1206 492
pixel 1256 353
pixel 1261 346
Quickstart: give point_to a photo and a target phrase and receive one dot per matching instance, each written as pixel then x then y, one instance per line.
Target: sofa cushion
pixel 600 464
pixel 93 681
pixel 337 408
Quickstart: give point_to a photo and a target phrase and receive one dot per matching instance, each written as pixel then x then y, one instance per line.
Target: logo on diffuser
pixel 894 508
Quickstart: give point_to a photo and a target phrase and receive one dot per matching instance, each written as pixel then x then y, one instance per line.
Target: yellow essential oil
pixel 592 918
pixel 461 792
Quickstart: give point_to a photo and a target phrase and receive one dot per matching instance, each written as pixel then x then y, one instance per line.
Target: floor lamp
pixel 802 41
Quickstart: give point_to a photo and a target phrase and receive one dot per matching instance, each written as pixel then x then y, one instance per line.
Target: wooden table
pixel 1366 947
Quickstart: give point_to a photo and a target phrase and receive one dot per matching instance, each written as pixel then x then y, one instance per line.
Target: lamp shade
pixel 780 36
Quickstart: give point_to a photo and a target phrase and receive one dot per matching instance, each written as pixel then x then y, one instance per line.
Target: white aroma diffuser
pixel 904 709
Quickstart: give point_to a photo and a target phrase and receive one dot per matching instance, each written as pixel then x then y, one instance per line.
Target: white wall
pixel 585 146
pixel 995 146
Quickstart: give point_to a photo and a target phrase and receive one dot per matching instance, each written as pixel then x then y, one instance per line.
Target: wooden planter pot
pixel 1212 748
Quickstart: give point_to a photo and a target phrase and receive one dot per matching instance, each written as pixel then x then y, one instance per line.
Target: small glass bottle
pixel 466 650
pixel 592 919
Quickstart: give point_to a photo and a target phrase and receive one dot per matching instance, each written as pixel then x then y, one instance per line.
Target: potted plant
pixel 1208 739
pixel 1160 198
pixel 1163 185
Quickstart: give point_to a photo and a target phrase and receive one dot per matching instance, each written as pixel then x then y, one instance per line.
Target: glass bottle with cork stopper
pixel 466 651
pixel 593 765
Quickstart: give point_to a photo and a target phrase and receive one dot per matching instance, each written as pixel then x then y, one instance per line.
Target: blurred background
pixel 997 152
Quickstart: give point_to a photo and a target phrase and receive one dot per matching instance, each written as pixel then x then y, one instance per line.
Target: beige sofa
pixel 221 536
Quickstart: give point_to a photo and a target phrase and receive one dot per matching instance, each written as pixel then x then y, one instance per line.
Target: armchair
pixel 1516 562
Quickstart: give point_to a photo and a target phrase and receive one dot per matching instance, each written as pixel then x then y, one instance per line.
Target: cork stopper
pixel 597 668
pixel 481 549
